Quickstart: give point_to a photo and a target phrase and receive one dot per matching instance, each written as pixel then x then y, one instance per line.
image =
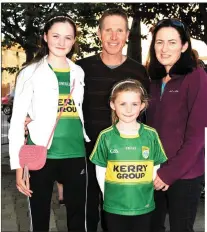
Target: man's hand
pixel 159 184
pixel 27 121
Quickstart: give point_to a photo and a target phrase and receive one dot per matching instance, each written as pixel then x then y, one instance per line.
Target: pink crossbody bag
pixel 33 157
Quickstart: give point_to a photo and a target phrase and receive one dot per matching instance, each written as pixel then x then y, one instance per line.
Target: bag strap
pixel 66 102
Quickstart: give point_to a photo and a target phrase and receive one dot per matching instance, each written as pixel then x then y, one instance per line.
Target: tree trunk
pixel 134 46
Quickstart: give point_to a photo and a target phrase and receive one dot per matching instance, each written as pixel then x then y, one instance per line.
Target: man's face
pixel 113 34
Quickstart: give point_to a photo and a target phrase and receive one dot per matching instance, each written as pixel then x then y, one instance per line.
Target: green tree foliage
pixel 22 23
pixel 193 14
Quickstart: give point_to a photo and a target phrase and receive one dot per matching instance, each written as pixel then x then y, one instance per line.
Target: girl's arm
pixel 22 101
pixel 100 175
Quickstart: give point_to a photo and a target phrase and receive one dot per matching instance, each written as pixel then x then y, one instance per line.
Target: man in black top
pixel 102 71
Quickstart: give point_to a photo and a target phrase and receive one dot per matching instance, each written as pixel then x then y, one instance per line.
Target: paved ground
pixel 14 214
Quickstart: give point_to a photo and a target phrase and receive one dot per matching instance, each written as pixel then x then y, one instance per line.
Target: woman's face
pixel 168 46
pixel 60 39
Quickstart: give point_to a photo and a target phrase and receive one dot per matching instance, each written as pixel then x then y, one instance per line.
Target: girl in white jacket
pixel 41 90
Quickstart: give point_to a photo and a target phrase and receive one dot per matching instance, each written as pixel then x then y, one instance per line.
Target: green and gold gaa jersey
pixel 129 165
pixel 68 139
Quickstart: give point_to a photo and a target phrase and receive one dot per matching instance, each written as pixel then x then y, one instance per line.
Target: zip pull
pixel 163 86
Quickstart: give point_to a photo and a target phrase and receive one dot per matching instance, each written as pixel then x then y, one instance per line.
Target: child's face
pixel 127 106
pixel 60 39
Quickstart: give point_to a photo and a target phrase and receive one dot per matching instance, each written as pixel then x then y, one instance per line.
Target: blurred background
pixel 21 27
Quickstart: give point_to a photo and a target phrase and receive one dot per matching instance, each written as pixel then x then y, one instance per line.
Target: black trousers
pixel 72 173
pixel 181 202
pixel 123 223
pixel 93 199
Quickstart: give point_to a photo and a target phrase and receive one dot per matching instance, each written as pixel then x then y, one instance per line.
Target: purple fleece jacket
pixel 180 116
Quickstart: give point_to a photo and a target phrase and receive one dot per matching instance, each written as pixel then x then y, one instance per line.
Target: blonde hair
pixel 124 86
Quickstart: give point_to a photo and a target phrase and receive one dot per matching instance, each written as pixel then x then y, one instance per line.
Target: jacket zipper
pixel 161 93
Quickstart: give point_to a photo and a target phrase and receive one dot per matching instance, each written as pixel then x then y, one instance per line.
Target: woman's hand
pixel 159 184
pixel 23 184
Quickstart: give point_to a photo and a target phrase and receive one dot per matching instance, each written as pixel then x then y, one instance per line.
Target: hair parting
pixel 124 86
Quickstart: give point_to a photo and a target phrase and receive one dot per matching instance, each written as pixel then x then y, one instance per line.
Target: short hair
pixel 111 12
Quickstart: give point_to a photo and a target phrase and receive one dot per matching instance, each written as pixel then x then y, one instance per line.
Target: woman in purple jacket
pixel 178 112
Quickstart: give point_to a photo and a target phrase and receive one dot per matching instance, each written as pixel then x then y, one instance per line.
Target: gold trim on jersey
pixel 99 137
pixel 61 69
pixel 70 110
pixel 129 136
pixel 125 172
pixel 158 138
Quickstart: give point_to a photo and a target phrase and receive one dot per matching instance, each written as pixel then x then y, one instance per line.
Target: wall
pixel 11 57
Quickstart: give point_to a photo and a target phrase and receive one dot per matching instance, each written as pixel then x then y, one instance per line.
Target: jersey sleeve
pixel 159 153
pixel 99 153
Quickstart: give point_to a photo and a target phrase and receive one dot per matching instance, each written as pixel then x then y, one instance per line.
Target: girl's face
pixel 127 106
pixel 60 39
pixel 168 46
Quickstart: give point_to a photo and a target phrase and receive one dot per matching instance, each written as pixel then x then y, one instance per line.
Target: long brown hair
pixel 43 48
pixel 186 62
pixel 124 86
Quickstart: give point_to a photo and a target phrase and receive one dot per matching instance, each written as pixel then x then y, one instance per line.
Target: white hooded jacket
pixel 36 95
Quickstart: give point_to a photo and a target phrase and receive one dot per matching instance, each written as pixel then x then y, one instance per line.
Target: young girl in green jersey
pixel 125 155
